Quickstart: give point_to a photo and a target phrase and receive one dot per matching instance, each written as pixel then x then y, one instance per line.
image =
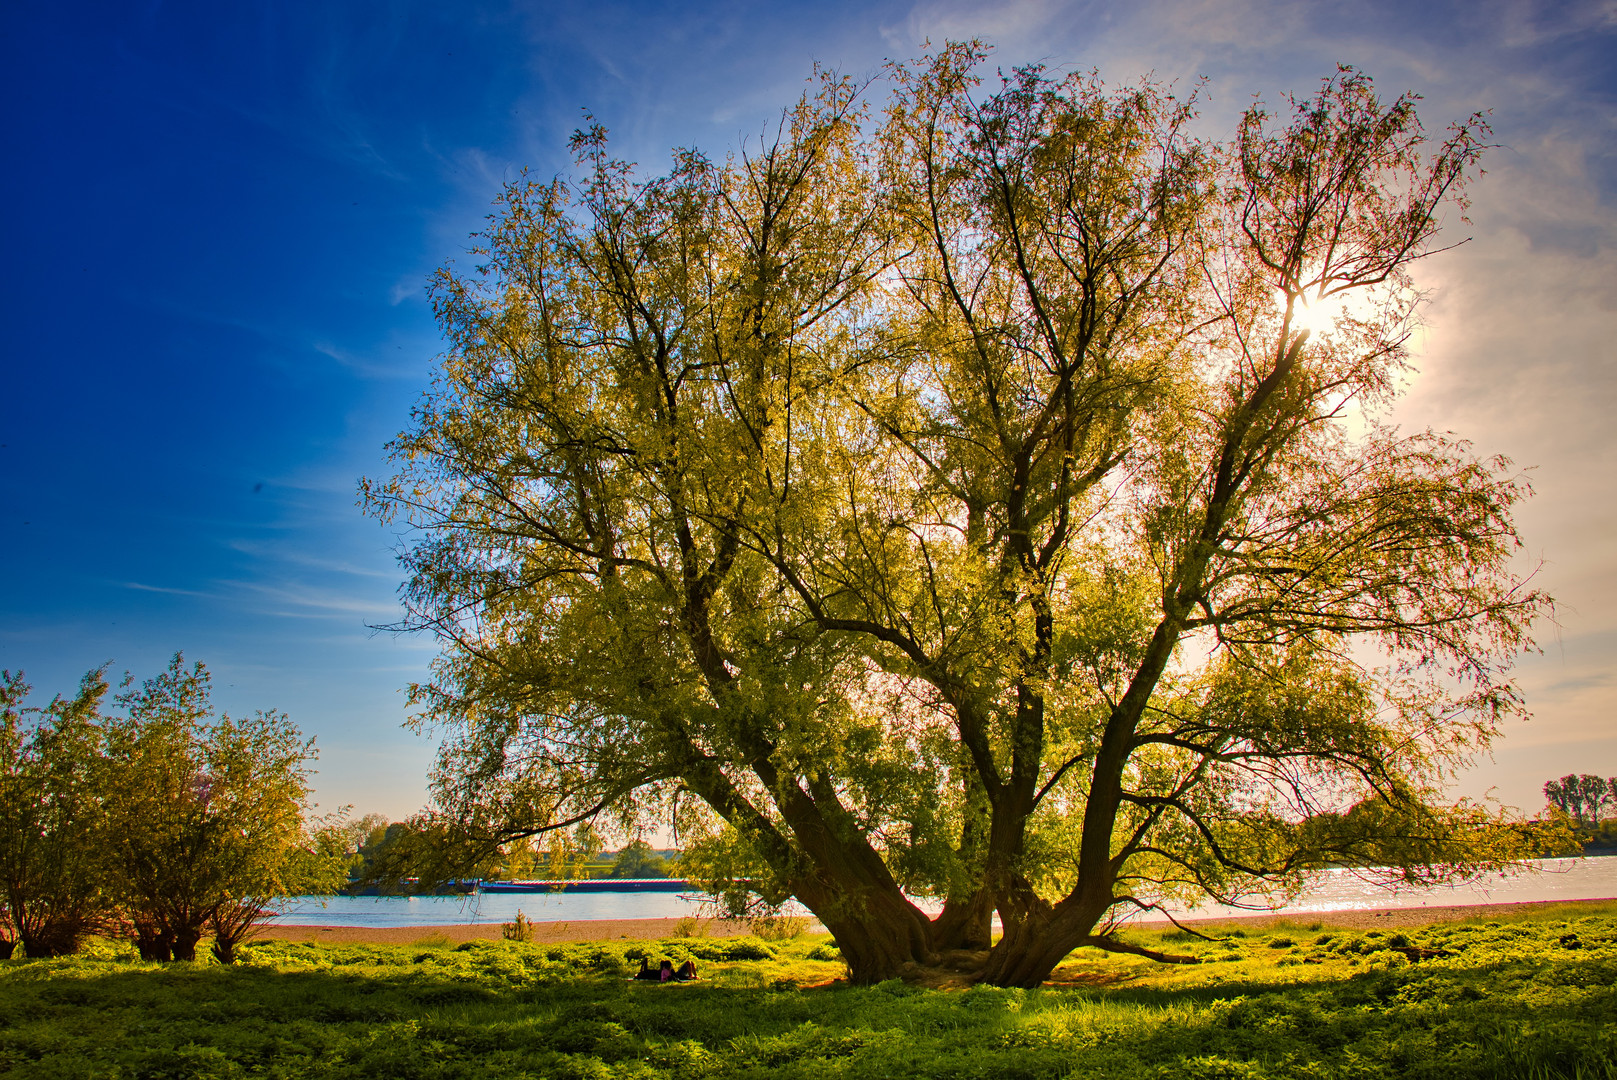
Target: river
pixel 1336 890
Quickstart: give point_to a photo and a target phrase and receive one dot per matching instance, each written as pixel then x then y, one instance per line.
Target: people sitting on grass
pixel 665 972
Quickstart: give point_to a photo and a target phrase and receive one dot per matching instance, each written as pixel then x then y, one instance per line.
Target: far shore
pixel 654 929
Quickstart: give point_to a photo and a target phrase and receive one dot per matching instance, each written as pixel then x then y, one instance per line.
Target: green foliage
pixel 518 929
pixel 1602 838
pixel 53 827
pixel 637 860
pixel 210 814
pixel 966 505
pixel 777 927
pixel 353 839
pixel 825 951
pixel 1501 999
pixel 163 821
pixel 1587 799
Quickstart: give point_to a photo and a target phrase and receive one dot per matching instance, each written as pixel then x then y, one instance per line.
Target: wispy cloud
pixel 296 556
pixel 405 363
pixel 296 600
pixel 141 587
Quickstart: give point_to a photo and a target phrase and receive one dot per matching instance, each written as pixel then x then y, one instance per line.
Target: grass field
pixel 1532 997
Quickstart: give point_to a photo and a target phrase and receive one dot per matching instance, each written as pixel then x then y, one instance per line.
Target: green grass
pixel 1533 997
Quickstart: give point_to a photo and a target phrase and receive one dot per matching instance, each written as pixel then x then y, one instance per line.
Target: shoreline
pixel 653 929
pixel 456 933
pixel 1372 918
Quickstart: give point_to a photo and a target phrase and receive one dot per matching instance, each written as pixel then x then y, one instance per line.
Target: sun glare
pixel 1317 317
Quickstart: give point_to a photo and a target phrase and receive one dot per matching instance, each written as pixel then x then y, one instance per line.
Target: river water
pixel 1336 890
pixel 486 908
pixel 1545 879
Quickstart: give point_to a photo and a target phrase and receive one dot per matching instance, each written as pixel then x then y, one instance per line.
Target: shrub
pixel 778 927
pixel 519 930
pixel 826 950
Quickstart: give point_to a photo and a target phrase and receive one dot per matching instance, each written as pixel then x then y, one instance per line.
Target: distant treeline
pixel 1589 804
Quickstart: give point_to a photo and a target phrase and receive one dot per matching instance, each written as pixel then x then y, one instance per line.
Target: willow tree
pixel 613 423
pixel 53 857
pixel 967 509
pixel 204 816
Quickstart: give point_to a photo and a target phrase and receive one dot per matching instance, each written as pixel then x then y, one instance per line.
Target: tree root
pixel 1111 944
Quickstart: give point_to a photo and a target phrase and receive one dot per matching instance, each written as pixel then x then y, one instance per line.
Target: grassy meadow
pixel 1534 996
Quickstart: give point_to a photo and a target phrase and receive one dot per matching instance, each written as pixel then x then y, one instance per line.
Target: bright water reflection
pixel 1337 890
pixel 1551 879
pixel 487 908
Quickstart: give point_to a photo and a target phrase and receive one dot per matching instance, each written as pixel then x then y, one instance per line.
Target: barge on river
pixel 588 885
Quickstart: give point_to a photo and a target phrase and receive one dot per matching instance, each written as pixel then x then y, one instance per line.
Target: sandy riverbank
pixel 652 929
pixel 590 930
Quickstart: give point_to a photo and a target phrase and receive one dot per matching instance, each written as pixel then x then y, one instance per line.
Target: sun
pixel 1318 314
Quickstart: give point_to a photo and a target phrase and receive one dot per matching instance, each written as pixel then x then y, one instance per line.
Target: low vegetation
pixel 1529 997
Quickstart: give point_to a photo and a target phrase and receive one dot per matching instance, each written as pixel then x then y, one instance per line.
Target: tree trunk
pixel 51 936
pixel 1033 946
pixel 1026 956
pixel 185 942
pixel 878 930
pixel 875 950
pixel 965 923
pixel 233 921
pixel 153 941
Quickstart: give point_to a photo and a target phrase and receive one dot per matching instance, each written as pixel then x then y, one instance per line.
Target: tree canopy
pixel 985 501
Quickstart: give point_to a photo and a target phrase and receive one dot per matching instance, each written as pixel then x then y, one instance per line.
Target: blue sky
pixel 220 219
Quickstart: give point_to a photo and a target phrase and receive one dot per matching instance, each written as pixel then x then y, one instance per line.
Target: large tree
pixel 614 423
pixel 967 509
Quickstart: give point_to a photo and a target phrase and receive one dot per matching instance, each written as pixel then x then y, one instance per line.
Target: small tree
pixel 209 812
pixel 352 835
pixel 259 769
pixel 53 838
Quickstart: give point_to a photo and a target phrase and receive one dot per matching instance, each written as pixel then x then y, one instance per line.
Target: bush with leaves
pixel 53 839
pixel 164 822
pixel 211 815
